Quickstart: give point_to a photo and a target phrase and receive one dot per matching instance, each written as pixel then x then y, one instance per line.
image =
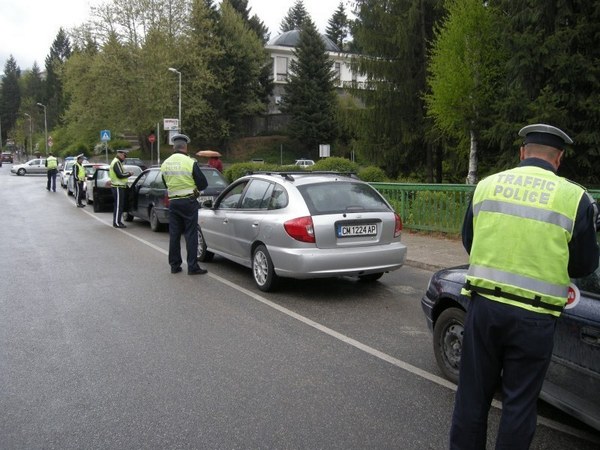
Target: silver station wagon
pixel 302 225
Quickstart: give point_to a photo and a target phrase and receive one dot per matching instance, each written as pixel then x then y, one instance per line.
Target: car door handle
pixel 225 221
pixel 590 336
pixel 255 225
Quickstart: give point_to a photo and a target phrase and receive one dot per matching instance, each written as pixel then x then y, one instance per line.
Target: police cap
pixel 122 151
pixel 80 156
pixel 543 134
pixel 181 137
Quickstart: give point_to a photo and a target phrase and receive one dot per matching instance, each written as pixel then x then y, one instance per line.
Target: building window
pixel 281 68
pixel 338 73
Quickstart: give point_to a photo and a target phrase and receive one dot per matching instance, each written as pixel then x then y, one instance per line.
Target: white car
pixel 98 187
pixel 89 168
pixel 37 165
pixel 304 162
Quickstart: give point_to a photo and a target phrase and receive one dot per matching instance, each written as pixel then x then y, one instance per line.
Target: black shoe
pixel 118 225
pixel 198 271
pixel 176 269
pixel 122 225
pixel 81 206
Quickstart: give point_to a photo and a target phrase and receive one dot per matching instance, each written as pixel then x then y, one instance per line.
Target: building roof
pixel 291 39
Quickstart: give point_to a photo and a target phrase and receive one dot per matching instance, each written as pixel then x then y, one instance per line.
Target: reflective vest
pixel 80 171
pixel 177 172
pixel 51 163
pixel 523 221
pixel 114 180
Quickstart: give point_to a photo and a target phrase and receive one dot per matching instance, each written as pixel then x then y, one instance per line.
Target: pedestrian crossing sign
pixel 105 135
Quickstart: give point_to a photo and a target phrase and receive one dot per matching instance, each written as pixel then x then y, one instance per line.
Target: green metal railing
pixel 432 207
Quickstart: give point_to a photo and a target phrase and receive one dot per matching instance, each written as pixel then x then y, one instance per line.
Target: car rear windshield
pixel 341 197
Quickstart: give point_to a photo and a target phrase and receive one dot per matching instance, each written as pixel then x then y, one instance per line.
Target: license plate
pixel 356 230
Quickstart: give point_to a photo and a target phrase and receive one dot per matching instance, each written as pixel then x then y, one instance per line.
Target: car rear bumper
pixel 307 263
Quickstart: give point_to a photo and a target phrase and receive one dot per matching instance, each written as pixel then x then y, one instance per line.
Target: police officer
pixel 118 181
pixel 78 179
pixel 184 181
pixel 527 232
pixel 51 171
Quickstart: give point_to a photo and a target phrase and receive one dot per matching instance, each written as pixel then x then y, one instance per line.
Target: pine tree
pixel 310 96
pixel 60 51
pixel 10 97
pixel 338 27
pixel 295 17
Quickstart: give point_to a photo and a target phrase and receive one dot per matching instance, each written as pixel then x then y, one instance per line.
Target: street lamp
pixel 45 126
pixel 171 69
pixel 30 133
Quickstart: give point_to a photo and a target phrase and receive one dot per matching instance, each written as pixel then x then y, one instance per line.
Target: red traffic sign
pixel 152 138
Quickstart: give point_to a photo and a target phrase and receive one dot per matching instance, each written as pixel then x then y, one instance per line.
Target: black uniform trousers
pixel 79 192
pixel 183 219
pixel 51 184
pixel 504 347
pixel 118 204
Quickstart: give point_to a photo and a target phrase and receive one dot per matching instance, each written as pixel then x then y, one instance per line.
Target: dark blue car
pixel 572 383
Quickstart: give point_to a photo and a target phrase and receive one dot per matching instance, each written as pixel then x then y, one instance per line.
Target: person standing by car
pixel 118 181
pixel 51 171
pixel 184 181
pixel 79 180
pixel 527 232
pixel 215 162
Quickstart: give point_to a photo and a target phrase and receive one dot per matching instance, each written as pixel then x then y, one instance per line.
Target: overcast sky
pixel 28 27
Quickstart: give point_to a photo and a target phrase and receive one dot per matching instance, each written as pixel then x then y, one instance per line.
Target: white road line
pixel 359 345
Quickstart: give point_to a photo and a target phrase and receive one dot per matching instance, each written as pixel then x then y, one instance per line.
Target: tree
pixel 10 97
pixel 338 27
pixel 465 72
pixel 60 51
pixel 310 96
pixel 295 17
pixel 391 128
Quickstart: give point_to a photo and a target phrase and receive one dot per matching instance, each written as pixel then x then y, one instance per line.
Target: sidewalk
pixel 433 252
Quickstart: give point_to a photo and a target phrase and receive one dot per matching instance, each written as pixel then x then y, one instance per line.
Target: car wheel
pixel 155 225
pixel 371 277
pixel 97 206
pixel 127 217
pixel 21 172
pixel 203 254
pixel 263 270
pixel 447 341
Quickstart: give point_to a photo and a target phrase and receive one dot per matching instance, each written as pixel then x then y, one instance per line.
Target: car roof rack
pixel 289 174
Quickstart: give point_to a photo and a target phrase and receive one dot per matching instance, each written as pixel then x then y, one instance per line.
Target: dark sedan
pixel 148 200
pixel 572 383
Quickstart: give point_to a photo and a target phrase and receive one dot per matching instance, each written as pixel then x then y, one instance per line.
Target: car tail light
pixel 398 226
pixel 301 229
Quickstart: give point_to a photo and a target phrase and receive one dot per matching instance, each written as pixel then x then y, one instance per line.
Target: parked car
pixel 6 157
pixel 135 162
pixel 302 225
pixel 148 200
pixel 99 189
pixel 304 162
pixel 37 165
pixel 89 168
pixel 66 169
pixel 572 382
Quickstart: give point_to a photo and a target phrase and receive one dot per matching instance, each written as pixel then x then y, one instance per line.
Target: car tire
pixel 127 217
pixel 203 254
pixel 155 225
pixel 447 341
pixel 262 269
pixel 21 172
pixel 371 277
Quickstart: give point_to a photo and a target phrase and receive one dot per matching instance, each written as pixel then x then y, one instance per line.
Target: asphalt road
pixel 101 347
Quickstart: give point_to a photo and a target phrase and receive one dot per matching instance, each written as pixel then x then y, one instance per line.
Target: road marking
pixel 359 345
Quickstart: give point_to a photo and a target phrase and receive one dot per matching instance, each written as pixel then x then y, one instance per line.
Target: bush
pixel 372 174
pixel 336 164
pixel 238 170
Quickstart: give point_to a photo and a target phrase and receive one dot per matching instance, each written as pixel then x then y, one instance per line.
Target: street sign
pixel 171 124
pixel 151 138
pixel 105 135
pixel 50 143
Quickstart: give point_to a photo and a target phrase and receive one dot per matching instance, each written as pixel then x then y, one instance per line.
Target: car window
pixel 231 199
pixel 278 198
pixel 157 180
pixel 340 197
pixel 256 192
pixel 590 284
pixel 214 178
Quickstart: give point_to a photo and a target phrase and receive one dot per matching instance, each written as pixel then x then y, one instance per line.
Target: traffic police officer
pixel 118 181
pixel 78 178
pixel 52 169
pixel 184 181
pixel 527 232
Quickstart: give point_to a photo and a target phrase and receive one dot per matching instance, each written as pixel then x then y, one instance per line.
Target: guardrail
pixel 432 207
